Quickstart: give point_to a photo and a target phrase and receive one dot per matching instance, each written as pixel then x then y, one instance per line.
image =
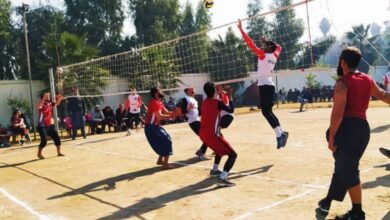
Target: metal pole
pixel 276 90
pixel 25 9
pixel 53 97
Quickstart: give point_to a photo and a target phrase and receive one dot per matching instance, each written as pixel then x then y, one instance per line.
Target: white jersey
pixel 387 76
pixel 192 109
pixel 265 68
pixel 134 103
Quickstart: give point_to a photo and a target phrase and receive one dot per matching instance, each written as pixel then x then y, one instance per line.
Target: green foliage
pixel 311 81
pixel 155 20
pixel 319 48
pixel 45 24
pixel 202 18
pixel 233 50
pixel 8 45
pixel 287 31
pixel 325 26
pixel 100 20
pixel 256 27
pixel 359 37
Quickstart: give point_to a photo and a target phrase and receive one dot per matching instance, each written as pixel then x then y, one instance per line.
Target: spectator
pixel 120 118
pixel 4 137
pixel 290 96
pixel 28 127
pixel 76 110
pixel 109 118
pixel 97 118
pixel 171 105
pixel 18 126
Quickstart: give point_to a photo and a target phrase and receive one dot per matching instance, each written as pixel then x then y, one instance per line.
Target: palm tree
pixel 359 37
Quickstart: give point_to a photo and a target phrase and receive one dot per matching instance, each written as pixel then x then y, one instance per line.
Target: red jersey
pixel 154 106
pixel 358 94
pixel 45 114
pixel 210 117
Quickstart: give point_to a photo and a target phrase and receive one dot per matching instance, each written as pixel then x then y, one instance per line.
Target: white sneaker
pixel 128 132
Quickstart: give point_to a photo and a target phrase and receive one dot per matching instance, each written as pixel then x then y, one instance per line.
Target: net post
pixel 310 43
pixel 53 97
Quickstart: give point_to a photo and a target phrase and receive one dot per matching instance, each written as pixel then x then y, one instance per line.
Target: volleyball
pixel 208 3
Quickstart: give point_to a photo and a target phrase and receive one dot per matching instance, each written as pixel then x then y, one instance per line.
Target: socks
pixel 357 208
pixel 278 131
pixel 215 167
pixel 223 175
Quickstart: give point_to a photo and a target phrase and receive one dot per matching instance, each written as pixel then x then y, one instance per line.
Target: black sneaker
pixel 352 216
pixel 324 206
pixel 200 155
pixel 385 152
pixel 282 140
pixel 225 183
pixel 215 173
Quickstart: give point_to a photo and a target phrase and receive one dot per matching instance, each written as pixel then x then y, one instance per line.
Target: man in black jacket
pixel 76 110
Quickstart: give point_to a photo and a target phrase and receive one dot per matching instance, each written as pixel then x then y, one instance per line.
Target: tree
pixel 8 46
pixel 257 26
pixel 375 29
pixel 358 37
pixel 155 20
pixel 228 58
pixel 311 81
pixel 287 31
pixel 43 23
pixel 191 51
pixel 319 48
pixel 188 24
pixel 325 26
pixel 202 18
pixel 101 21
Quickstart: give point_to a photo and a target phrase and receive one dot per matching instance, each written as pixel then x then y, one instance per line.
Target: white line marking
pixel 24 205
pixel 246 215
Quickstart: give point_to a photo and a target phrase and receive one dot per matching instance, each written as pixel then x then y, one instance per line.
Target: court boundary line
pixel 22 204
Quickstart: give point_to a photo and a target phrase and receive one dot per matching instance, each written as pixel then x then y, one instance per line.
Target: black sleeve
pixel 184 105
pixel 228 109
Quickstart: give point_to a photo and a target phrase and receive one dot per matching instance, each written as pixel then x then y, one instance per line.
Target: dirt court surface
pixel 111 176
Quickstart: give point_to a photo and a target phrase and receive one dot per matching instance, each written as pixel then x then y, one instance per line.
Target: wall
pixel 17 88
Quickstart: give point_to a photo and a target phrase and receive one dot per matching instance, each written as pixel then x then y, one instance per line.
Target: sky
pixel 341 13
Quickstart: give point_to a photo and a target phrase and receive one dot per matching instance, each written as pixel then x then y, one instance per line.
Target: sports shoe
pixel 128 132
pixel 200 155
pixel 385 152
pixel 352 216
pixel 215 173
pixel 224 183
pixel 21 142
pixel 324 206
pixel 282 140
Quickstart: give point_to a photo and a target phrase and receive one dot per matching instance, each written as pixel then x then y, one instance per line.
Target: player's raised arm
pixel 260 53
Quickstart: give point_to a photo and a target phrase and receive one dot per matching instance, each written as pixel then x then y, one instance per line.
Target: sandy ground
pixel 111 176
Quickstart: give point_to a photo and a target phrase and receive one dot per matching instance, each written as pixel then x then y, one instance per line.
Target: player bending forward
pixel 211 135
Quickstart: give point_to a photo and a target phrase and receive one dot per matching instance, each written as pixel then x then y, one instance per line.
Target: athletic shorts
pixel 50 131
pixel 351 141
pixel 217 143
pixel 159 140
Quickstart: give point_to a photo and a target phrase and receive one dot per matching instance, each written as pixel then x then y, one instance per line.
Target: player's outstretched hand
pixel 239 24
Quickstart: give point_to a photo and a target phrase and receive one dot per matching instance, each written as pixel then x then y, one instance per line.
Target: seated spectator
pixel 109 118
pixel 18 126
pixel 4 137
pixel 171 104
pixel 68 125
pixel 120 118
pixel 97 118
pixel 27 135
